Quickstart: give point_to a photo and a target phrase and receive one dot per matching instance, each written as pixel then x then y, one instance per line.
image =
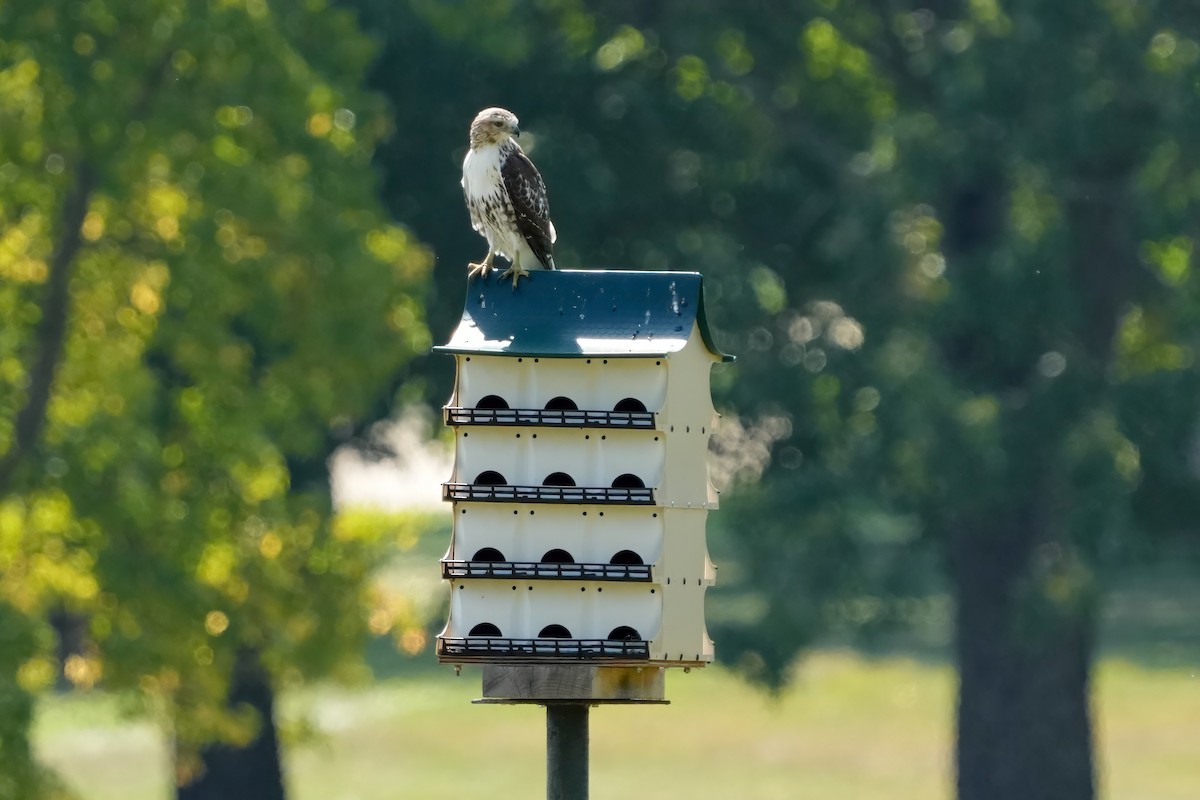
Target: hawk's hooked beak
pixel 516 130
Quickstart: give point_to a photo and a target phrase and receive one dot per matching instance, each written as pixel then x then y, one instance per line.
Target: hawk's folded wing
pixel 527 193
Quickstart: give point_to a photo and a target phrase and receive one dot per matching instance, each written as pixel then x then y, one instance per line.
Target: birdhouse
pixel 582 413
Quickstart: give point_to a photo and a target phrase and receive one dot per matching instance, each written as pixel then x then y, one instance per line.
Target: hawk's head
pixel 493 126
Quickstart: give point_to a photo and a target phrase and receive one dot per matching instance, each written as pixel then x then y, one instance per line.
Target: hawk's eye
pixel 498 124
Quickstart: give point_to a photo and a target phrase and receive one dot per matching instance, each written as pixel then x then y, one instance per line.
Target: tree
pixel 951 243
pixel 202 299
pixel 1037 296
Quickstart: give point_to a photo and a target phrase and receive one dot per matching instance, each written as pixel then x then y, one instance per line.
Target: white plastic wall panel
pixel 683 636
pixel 594 384
pixel 588 609
pixel 685 476
pixel 591 534
pixel 669 611
pixel 689 401
pixel 689 420
pixel 684 553
pixel 591 456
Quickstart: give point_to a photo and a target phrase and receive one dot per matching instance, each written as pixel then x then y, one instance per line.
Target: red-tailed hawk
pixel 506 197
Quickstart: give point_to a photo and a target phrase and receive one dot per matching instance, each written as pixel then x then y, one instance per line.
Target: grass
pixel 850 727
pixel 1148 731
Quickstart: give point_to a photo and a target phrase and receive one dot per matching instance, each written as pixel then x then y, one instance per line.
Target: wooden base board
pixel 553 683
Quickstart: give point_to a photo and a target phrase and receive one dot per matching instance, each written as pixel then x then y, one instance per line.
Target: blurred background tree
pixel 951 243
pixel 201 300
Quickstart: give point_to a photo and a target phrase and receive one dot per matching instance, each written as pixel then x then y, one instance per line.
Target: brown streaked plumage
pixel 506 197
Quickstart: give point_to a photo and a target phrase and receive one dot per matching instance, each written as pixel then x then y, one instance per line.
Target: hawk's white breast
pixel 491 208
pixel 481 180
pixel 488 201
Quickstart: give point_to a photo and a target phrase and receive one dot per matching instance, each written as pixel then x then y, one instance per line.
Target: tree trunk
pixel 72 630
pixel 252 772
pixel 51 335
pixel 1024 729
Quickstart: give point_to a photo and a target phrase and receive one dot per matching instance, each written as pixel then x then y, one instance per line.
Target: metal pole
pixel 566 751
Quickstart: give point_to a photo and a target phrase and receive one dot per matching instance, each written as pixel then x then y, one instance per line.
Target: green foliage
pixel 237 306
pixel 950 243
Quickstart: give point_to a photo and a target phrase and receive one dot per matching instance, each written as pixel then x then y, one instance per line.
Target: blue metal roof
pixel 565 313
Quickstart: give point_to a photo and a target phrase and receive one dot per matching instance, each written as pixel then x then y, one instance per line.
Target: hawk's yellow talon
pixel 516 272
pixel 480 268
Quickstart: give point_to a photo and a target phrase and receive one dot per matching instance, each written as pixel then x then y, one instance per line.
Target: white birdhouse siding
pixel 683 636
pixel 686 482
pixel 670 540
pixel 535 572
pixel 592 535
pixel 597 384
pixel 688 402
pixel 684 554
pixel 525 456
pixel 586 609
